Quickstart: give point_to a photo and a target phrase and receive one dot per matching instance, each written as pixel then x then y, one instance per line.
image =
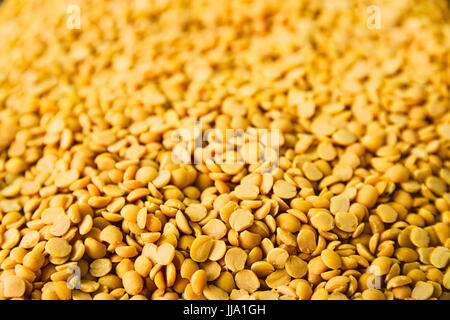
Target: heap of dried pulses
pixel 231 149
